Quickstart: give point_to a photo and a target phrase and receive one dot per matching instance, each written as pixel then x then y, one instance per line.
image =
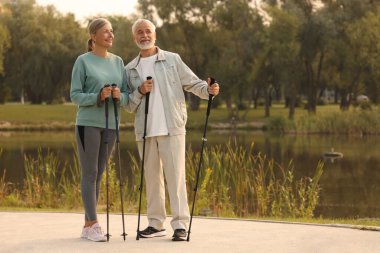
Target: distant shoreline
pixel 59 126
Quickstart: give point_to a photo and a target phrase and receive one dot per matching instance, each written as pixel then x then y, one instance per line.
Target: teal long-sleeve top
pixel 90 74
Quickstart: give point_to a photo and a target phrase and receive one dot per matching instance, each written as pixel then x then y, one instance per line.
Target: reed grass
pixel 9 195
pixel 241 184
pixel 354 122
pixel 234 182
pixel 4 187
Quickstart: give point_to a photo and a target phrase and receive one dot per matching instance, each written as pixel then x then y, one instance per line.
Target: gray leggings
pixel 92 158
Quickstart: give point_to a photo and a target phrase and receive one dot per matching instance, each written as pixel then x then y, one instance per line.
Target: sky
pixel 83 9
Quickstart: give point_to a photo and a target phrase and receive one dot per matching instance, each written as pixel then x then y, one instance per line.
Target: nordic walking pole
pixel 212 81
pixel 107 174
pixel 143 158
pixel 118 160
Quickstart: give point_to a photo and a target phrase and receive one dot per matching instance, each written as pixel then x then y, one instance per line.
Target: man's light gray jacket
pixel 173 76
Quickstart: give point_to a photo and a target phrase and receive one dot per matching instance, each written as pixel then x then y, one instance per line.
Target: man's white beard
pixel 146 46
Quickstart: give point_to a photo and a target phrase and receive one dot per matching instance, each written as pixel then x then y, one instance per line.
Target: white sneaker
pixel 96 234
pixel 84 234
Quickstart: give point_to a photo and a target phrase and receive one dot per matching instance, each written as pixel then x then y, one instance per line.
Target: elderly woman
pixel 91 72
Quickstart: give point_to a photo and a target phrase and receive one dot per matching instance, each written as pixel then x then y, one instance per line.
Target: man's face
pixel 144 36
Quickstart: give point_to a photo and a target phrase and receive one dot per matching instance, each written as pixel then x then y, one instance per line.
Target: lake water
pixel 350 186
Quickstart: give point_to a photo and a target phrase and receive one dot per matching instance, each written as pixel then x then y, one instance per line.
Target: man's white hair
pixel 141 20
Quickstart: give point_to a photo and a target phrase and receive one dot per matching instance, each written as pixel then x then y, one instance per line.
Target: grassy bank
pixel 62 117
pixel 328 120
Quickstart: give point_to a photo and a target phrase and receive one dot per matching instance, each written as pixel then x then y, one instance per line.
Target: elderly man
pixel 165 133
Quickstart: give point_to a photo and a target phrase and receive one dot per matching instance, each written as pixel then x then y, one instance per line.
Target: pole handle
pixel 147 97
pixel 212 81
pixel 106 103
pixel 114 85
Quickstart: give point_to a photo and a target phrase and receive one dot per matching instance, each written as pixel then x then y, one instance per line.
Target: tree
pixel 44 47
pixel 364 38
pixel 349 69
pixel 4 45
pixel 5 92
pixel 285 54
pixel 314 35
pixel 240 33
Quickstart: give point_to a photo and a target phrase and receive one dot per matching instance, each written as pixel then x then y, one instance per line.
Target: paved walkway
pixel 59 232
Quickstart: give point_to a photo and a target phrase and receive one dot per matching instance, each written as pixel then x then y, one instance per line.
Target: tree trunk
pixel 336 95
pixel 344 101
pixel 22 97
pixel 312 100
pixel 312 91
pixel 255 96
pixel 229 103
pixel 292 107
pixel 267 102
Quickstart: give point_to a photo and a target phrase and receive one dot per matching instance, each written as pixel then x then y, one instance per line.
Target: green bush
pixel 280 124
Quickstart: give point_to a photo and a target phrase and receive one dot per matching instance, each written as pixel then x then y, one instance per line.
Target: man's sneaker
pixel 151 232
pixel 84 234
pixel 96 234
pixel 179 235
